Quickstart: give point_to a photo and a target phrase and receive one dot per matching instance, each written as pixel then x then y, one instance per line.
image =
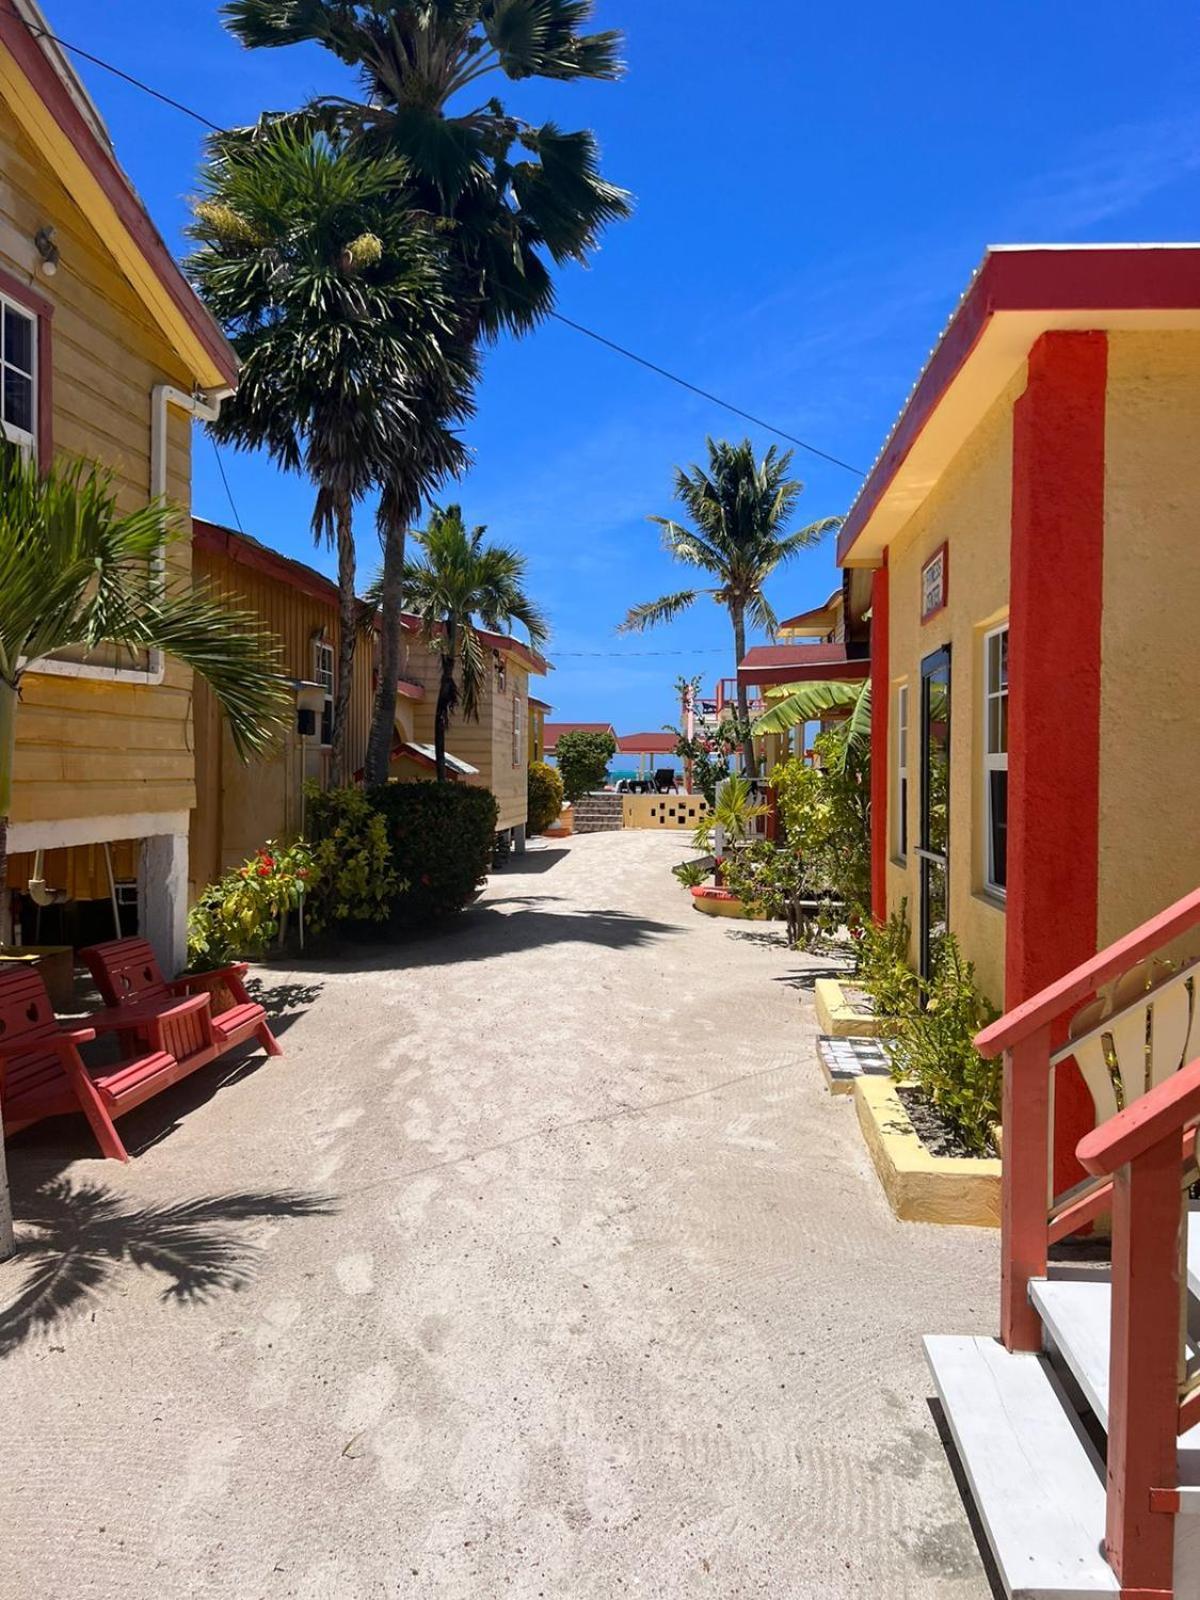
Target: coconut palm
pixel 513 199
pixel 740 509
pixel 458 583
pixel 75 573
pixel 335 297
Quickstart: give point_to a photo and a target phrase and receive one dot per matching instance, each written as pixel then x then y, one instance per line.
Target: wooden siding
pixel 240 805
pixel 487 743
pixel 89 748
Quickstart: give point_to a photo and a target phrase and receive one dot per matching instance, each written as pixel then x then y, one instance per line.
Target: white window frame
pixel 993 761
pixel 326 676
pixel 900 795
pixel 24 438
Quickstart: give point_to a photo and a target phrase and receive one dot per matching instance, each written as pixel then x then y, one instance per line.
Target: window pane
pixel 18 400
pixel 1002 642
pixel 902 804
pixel 18 340
pixel 998 818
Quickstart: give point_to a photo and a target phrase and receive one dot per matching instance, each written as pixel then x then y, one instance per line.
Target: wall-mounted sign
pixel 935 579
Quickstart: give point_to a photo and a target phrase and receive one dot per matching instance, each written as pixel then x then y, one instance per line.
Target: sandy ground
pixel 542 1265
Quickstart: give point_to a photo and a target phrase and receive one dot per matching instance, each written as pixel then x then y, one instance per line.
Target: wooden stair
pixel 1024 1425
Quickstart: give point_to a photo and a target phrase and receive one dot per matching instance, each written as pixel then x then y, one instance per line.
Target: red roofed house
pixel 1030 533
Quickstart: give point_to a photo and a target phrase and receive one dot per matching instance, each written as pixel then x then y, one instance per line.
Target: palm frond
pixel 654 612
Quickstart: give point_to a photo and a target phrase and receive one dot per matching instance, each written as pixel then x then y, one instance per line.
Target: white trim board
pixel 24 836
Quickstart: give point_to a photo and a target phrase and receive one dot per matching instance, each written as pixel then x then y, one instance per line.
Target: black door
pixel 933 851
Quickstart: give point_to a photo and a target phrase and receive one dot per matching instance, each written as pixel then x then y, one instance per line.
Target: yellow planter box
pixel 921 1187
pixel 838 1017
pixel 720 903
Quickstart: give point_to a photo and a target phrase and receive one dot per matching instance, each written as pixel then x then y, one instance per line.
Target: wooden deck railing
pixel 1150 1397
pixel 1124 987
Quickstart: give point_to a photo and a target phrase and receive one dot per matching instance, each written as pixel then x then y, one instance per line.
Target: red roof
pixel 1035 287
pixel 799 663
pixel 647 744
pixel 554 731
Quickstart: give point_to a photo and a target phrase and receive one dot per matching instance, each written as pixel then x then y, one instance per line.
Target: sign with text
pixel 934 581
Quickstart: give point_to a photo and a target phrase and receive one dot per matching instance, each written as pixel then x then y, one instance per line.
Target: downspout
pixel 205 406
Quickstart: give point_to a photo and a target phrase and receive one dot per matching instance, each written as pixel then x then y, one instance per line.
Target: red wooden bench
pixel 42 1073
pixel 127 975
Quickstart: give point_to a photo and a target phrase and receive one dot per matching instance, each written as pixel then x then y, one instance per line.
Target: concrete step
pixel 1035 1477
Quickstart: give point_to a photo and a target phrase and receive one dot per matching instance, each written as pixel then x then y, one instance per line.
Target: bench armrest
pixel 65 1039
pixel 236 970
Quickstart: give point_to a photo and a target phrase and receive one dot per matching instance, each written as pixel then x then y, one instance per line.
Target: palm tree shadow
pixel 74 1239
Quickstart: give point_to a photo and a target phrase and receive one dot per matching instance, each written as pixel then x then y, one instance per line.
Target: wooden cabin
pixel 108 355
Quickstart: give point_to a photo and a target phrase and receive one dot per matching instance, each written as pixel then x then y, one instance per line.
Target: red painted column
pixel 880 710
pixel 1056 600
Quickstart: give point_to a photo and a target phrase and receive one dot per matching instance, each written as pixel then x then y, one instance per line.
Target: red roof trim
pixel 1117 278
pixel 37 67
pixel 647 744
pixel 244 552
pixel 767 665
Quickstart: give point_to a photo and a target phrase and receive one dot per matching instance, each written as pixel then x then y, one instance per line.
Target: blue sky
pixel 814 186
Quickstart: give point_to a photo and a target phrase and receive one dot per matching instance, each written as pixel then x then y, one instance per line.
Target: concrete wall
pixel 1150 656
pixel 667 812
pixel 969 510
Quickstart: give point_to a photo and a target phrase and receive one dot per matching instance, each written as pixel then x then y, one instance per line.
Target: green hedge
pixel 442 837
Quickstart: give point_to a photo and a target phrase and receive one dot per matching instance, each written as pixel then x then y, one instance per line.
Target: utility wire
pixel 228 490
pixel 589 333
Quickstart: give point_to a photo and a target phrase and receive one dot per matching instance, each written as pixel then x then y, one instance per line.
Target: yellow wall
pixel 970 509
pixel 667 812
pixel 86 748
pixel 1150 656
pixel 240 805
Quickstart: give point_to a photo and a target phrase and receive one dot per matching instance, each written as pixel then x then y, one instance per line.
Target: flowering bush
pixel 238 916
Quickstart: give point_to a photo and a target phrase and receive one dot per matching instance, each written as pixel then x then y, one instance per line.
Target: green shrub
pixel 583 762
pixel 691 874
pixel 352 852
pixel 935 1049
pixel 442 836
pixel 826 815
pixel 883 969
pixel 545 796
pixel 236 917
pixel 773 879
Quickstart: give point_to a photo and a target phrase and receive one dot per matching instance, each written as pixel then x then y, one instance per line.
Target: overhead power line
pixel 589 333
pixel 225 481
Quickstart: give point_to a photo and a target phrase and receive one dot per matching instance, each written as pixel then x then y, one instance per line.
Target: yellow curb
pixel 838 1017
pixel 954 1190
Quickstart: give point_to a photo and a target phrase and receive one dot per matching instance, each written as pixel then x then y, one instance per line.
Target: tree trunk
pixel 743 703
pixel 383 717
pixel 348 620
pixel 8 750
pixel 441 720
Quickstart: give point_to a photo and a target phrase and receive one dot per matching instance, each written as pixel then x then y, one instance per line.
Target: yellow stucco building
pixel 1030 527
pixel 108 355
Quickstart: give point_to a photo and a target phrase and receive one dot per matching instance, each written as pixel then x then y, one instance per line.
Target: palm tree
pixel 798 703
pixel 334 296
pixel 76 573
pixel 512 199
pixel 740 509
pixel 459 579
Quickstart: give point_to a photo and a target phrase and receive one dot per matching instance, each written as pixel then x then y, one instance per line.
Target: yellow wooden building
pixel 108 355
pixel 240 806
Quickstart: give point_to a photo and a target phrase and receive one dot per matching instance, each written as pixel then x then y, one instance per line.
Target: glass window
pixel 18 375
pixel 325 677
pixel 995 757
pixel 900 824
pixel 934 845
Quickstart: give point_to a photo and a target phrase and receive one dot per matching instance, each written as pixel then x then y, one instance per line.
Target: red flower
pixel 267 861
pixel 264 871
pixel 302 872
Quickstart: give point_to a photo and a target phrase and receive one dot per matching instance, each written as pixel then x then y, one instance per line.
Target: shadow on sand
pixel 75 1239
pixel 503 925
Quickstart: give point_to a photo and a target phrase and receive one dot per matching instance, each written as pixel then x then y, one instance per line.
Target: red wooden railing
pixel 1150 1398
pixel 1139 1162
pixel 1031 1217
